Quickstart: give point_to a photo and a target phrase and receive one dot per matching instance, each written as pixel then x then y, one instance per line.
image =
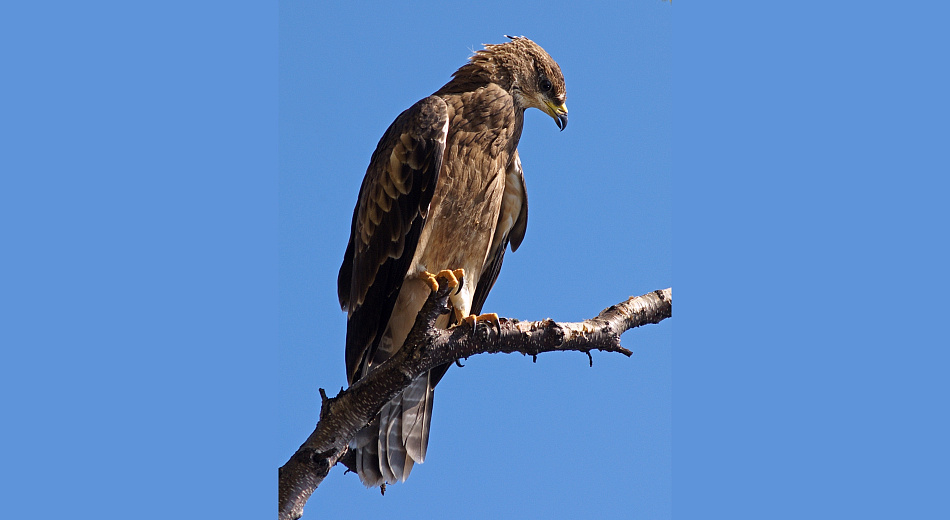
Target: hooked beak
pixel 559 113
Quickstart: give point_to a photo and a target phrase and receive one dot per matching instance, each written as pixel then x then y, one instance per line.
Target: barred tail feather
pixel 387 448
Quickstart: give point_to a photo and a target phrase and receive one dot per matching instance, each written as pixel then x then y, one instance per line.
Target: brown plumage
pixel 444 190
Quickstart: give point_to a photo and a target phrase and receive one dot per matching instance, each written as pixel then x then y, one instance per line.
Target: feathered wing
pixel 390 213
pixel 389 216
pixel 512 224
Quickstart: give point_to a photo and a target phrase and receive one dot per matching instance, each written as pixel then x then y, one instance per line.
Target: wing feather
pixel 511 227
pixel 391 210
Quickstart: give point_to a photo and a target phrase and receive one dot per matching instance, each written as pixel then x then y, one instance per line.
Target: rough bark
pixel 426 347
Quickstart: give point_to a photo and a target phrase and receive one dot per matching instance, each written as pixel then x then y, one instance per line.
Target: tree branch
pixel 427 347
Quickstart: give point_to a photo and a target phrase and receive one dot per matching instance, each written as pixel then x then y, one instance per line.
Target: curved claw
pixel 460 276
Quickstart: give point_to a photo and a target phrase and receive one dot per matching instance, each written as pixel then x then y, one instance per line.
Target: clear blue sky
pixel 176 182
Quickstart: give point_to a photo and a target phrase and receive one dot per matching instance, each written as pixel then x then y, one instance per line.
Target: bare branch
pixel 427 347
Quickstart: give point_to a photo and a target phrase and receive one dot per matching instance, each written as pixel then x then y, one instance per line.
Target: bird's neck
pixel 477 73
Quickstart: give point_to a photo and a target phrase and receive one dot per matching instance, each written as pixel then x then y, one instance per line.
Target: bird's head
pixel 536 79
pixel 528 72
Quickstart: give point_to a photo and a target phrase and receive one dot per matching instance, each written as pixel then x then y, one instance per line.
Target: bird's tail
pixel 387 448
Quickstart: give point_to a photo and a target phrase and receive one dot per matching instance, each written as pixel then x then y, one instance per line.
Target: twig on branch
pixel 427 347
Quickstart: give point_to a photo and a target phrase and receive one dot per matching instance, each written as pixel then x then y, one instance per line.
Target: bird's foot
pixel 490 317
pixel 453 278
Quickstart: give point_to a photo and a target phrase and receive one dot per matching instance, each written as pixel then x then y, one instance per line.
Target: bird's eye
pixel 545 85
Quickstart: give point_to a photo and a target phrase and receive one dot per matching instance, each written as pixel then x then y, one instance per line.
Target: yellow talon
pixel 492 318
pixel 429 278
pixel 451 278
pixel 472 320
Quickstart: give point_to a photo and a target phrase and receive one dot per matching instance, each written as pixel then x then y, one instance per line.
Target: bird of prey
pixel 444 190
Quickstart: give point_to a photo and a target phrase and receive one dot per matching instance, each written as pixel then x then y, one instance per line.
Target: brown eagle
pixel 444 190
